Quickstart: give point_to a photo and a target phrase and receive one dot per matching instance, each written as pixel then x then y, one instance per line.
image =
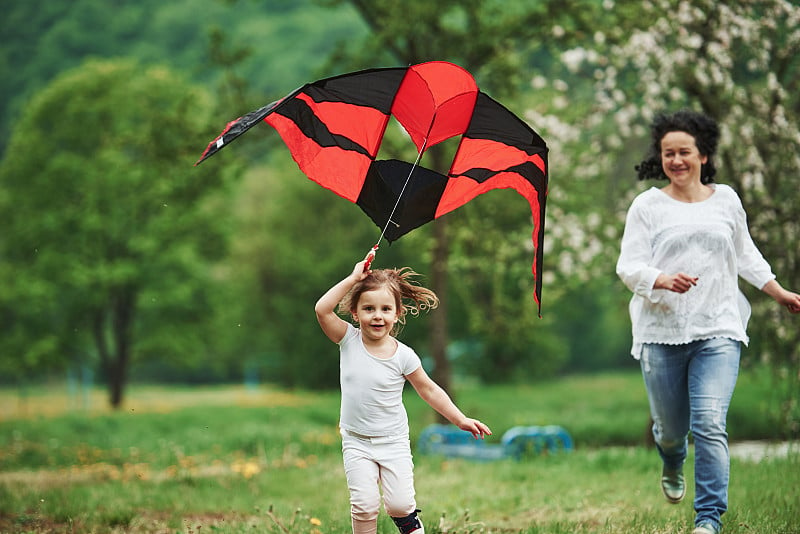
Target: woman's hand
pixel 783 297
pixel 791 301
pixel 679 283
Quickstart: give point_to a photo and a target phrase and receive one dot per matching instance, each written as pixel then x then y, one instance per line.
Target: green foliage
pixel 42 40
pixel 106 219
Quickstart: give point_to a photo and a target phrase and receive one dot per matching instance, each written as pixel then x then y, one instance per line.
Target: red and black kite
pixel 334 127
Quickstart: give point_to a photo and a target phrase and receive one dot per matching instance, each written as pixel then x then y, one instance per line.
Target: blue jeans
pixel 689 387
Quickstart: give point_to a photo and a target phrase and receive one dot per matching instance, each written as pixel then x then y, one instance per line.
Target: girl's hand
pixel 360 270
pixel 325 308
pixel 475 427
pixel 359 273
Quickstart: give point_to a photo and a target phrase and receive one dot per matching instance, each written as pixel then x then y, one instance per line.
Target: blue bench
pixel 519 441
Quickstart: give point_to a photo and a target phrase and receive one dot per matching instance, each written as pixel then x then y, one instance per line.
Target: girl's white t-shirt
pixel 372 388
pixel 709 240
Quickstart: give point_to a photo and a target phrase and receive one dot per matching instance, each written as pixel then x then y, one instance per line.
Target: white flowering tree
pixel 737 61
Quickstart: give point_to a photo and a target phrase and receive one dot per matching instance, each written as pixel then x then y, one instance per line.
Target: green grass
pixel 229 460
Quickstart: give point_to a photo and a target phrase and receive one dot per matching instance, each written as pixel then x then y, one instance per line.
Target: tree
pixel 106 228
pixel 492 40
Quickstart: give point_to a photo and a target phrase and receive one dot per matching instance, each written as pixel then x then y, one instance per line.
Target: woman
pixel 683 249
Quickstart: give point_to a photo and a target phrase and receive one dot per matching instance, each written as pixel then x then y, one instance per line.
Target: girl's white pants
pixel 372 465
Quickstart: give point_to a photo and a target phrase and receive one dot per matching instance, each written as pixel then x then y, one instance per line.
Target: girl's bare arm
pixel 334 326
pixel 438 399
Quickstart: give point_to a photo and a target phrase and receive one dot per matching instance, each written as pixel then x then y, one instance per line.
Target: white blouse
pixel 709 240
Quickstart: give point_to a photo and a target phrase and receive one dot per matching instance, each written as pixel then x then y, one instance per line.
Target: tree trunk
pixel 116 381
pixel 121 330
pixel 100 343
pixel 114 363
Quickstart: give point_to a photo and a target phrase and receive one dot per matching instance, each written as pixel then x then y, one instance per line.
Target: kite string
pixel 397 202
pixel 373 250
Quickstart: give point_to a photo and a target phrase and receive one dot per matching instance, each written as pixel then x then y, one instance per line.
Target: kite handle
pixel 370 257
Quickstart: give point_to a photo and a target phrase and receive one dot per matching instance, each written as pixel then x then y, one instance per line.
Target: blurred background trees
pixel 107 235
pixel 117 250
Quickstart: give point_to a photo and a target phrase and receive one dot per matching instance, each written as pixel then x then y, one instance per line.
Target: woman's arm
pixel 752 265
pixel 783 297
pixel 633 266
pixel 438 399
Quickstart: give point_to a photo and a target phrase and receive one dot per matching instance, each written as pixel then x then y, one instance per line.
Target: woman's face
pixel 680 158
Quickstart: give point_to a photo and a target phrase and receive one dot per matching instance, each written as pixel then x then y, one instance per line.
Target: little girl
pixel 373 369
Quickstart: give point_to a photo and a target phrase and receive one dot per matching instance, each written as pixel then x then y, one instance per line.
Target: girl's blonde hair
pixel 409 297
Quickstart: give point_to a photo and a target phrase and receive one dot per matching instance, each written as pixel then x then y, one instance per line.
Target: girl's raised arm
pixel 334 326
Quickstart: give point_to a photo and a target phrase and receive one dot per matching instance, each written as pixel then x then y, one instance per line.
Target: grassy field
pixel 232 459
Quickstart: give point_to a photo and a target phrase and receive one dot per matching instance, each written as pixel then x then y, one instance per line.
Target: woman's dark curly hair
pixel 703 128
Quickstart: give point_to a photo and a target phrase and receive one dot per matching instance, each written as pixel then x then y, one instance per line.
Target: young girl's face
pixel 376 313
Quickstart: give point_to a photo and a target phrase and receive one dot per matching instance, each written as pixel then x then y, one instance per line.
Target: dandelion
pixel 314 521
pixel 248 469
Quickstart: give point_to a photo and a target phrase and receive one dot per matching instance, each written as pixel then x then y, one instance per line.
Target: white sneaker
pixel 706 527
